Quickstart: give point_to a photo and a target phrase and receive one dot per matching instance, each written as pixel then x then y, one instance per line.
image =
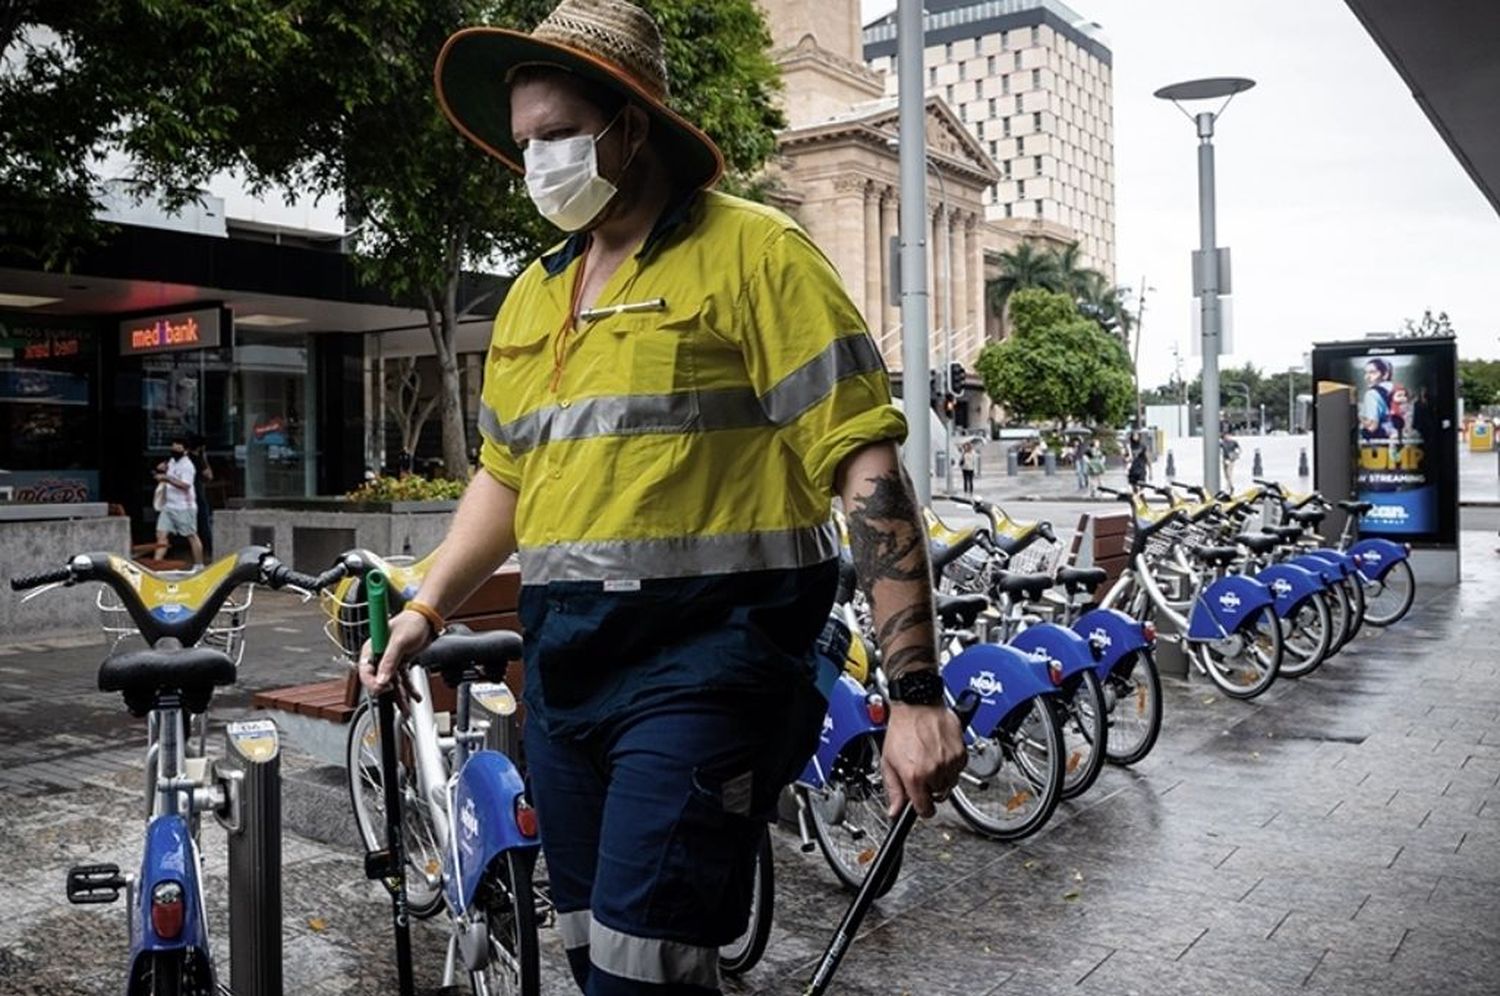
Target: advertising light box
pixel 170 333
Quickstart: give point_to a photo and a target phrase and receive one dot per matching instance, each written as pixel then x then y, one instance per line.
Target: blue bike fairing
pixel 484 820
pixel 1225 605
pixel 1291 585
pixel 168 858
pixel 1327 571
pixel 1377 556
pixel 1343 561
pixel 847 717
pixel 1004 678
pixel 1050 642
pixel 1115 635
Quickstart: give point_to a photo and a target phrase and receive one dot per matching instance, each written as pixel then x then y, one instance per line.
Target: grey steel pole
pixel 912 101
pixel 1209 302
pixel 1291 422
pixel 947 371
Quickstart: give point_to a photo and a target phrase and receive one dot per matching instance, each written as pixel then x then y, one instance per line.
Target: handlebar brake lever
pixel 33 593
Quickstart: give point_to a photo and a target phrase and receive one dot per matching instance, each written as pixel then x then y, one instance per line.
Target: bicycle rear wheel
pixel 1245 663
pixel 848 814
pixel 510 915
pixel 424 856
pixel 745 951
pixel 1014 776
pixel 1390 598
pixel 1133 697
pixel 1085 732
pixel 1356 589
pixel 1308 636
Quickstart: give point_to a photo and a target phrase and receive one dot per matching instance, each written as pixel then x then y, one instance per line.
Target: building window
pixel 994 149
pixel 932 75
pixel 992 107
pixel 991 65
pixel 1036 35
pixel 1005 85
pixel 1018 59
pixel 1006 132
pixel 1036 79
pixel 1007 210
pixel 1037 162
pixel 948 92
pixel 1021 146
pixel 948 51
pixel 1004 37
pixel 1036 120
pixel 1038 208
pixel 1020 188
pixel 978 89
pixel 963 69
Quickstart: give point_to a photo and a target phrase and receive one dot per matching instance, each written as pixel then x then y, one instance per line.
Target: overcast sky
pixel 1344 209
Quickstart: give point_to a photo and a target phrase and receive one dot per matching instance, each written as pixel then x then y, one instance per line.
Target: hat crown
pixel 614 31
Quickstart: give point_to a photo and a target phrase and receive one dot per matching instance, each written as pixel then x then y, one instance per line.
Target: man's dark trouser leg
pixel 689 787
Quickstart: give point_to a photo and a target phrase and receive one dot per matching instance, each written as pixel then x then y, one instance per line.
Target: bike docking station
pixel 250 776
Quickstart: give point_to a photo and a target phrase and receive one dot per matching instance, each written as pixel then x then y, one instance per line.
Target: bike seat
pixel 1027 585
pixel 1258 542
pixel 1077 579
pixel 961 610
pixel 1216 556
pixel 1283 532
pixel 1355 507
pixel 144 675
pixel 1307 516
pixel 461 655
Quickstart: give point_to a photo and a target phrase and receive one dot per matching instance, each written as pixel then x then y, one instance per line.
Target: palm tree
pixel 1105 304
pixel 1022 267
pixel 1073 279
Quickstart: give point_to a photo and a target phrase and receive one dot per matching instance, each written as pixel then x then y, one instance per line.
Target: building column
pixel 975 263
pixel 873 308
pixel 889 228
pixel 936 280
pixel 960 278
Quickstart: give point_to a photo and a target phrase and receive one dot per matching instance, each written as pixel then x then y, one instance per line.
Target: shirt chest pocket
pixel 654 360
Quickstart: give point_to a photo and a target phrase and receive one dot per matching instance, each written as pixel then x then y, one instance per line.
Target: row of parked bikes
pixel 1064 672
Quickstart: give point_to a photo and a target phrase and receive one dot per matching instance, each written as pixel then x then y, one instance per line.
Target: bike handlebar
pixel 1044 530
pixel 37 580
pixel 280 576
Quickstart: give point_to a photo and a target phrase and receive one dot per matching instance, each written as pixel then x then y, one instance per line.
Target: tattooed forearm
pixel 889 546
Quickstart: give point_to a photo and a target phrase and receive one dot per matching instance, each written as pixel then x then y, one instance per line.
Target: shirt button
pixel 564 403
pixel 556 473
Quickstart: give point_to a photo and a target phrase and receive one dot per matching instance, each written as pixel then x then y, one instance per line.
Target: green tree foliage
pixel 1428 327
pixel 1479 383
pixel 331 98
pixel 1020 268
pixel 1269 390
pixel 1056 365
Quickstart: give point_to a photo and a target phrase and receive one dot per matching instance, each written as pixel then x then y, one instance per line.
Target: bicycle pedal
pixel 95 884
pixel 380 864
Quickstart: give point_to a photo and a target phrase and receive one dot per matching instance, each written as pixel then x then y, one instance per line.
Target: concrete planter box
pixel 41 538
pixel 309 532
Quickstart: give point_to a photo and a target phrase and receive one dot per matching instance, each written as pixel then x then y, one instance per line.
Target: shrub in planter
pixel 410 488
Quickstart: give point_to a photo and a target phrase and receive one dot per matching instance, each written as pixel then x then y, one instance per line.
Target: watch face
pixel 918 688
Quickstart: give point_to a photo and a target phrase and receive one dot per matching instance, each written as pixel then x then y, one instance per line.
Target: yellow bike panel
pixel 190 592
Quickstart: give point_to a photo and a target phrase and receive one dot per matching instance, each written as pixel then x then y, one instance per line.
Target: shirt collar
pixel 677 213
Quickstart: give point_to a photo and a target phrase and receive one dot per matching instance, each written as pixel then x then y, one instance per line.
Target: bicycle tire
pixel 1264 623
pixel 855 781
pixel 510 913
pixel 1308 637
pixel 1356 589
pixel 1338 617
pixel 1136 685
pixel 745 952
pixel 1085 729
pixel 1042 788
pixel 424 897
pixel 1407 592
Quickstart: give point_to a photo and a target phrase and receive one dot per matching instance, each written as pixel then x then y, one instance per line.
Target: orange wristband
pixel 433 617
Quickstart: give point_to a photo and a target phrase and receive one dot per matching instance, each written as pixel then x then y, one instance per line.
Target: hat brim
pixel 473 90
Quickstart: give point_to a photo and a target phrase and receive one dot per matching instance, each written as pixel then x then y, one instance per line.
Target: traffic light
pixel 934 388
pixel 956 376
pixel 948 405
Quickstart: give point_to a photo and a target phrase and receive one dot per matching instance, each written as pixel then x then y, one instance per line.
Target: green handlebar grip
pixel 377 594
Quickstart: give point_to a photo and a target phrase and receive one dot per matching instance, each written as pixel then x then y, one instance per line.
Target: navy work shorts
pixel 650 825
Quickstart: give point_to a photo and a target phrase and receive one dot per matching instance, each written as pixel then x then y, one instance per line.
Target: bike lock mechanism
pixel 250 776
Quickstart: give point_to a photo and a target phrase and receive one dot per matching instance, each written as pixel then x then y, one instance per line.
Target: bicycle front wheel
pixel 1133 697
pixel 424 857
pixel 1356 589
pixel 1081 714
pixel 1244 664
pixel 1013 779
pixel 1390 598
pixel 1308 636
pixel 745 951
pixel 849 817
pixel 509 905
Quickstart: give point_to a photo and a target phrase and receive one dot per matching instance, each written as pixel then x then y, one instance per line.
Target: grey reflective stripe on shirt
pixel 679 556
pixel 814 380
pixel 573 928
pixel 652 959
pixel 631 415
pixel 489 423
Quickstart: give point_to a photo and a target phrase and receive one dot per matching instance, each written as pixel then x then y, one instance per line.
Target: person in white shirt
pixel 179 512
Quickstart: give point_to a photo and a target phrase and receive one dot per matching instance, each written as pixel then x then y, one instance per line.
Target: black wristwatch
pixel 922 687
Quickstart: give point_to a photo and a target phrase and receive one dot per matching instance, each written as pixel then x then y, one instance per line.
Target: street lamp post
pixel 1135 360
pixel 1291 418
pixel 1210 276
pixel 912 112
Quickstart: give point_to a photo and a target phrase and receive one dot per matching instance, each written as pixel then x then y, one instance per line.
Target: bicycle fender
pixel 848 716
pixel 1377 556
pixel 1224 605
pixel 1112 635
pixel 484 819
pixel 168 858
pixel 1048 642
pixel 1003 677
pixel 1338 558
pixel 1290 585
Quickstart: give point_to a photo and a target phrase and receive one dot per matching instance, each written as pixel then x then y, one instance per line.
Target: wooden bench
pixel 493 606
pixel 1102 539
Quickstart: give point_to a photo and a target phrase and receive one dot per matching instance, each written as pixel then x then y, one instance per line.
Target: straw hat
pixel 610 42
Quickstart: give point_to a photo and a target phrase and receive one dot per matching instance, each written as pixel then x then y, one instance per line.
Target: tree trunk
pixel 442 323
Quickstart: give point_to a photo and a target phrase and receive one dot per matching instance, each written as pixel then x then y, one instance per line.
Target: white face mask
pixel 562 176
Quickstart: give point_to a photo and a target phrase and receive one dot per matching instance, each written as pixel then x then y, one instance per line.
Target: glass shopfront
pixel 49 404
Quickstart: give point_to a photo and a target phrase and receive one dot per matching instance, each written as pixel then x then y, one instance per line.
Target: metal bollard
pixel 1049 463
pixel 1258 469
pixel 1171 467
pixel 1012 463
pixel 251 776
pixel 1302 470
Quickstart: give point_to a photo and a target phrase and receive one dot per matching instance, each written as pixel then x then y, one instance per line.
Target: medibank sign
pixel 170 333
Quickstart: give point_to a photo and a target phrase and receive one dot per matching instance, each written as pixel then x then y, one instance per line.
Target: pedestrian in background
pixel 179 512
pixel 968 462
pixel 203 473
pixel 1081 463
pixel 1095 463
pixel 1229 452
pixel 1139 464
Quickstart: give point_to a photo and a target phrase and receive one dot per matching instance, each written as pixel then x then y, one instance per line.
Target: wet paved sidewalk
pixel 1339 835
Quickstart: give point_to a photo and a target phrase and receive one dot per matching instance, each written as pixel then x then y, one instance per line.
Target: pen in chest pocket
pixel 627 308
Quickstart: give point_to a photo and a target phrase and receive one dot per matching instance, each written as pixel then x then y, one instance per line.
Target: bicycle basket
pixel 226 633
